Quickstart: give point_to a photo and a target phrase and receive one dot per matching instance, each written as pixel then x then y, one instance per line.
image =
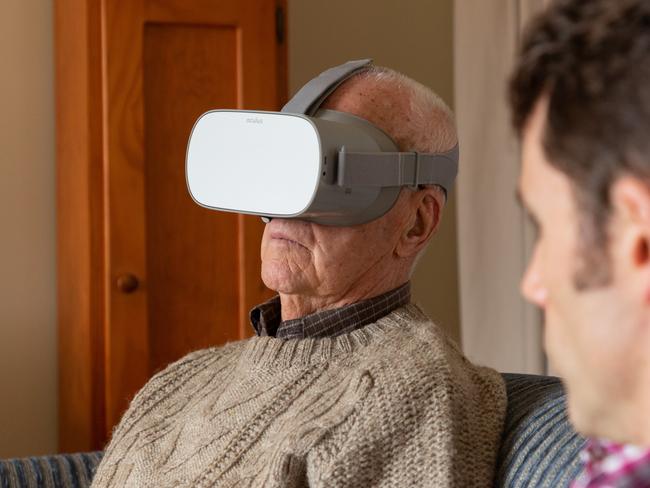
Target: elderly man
pixel 581 99
pixel 346 384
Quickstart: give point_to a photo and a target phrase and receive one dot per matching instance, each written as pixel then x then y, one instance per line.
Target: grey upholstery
pixel 62 470
pixel 539 448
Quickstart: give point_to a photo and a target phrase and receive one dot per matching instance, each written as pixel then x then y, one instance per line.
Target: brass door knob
pixel 127 283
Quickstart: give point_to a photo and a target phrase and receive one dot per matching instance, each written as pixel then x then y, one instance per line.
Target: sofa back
pixel 539 447
pixel 57 471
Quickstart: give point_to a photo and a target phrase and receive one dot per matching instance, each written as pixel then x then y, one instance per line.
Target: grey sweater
pixel 394 403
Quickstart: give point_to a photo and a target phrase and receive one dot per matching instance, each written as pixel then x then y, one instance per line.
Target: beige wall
pixel 500 329
pixel 411 36
pixel 27 222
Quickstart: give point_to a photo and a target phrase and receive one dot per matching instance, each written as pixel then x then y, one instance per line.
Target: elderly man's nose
pixel 532 286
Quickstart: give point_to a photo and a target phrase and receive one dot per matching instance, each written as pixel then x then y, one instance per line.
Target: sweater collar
pixel 266 317
pixel 269 352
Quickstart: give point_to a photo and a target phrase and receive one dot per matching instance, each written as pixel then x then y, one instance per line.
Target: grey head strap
pixel 386 169
pixel 313 94
pixel 374 169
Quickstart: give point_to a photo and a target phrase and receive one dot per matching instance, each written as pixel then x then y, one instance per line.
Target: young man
pixel 580 97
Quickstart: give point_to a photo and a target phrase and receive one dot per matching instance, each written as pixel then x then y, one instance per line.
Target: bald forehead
pixel 369 99
pixel 413 116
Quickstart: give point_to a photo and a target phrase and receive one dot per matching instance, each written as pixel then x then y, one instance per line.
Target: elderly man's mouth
pixel 277 236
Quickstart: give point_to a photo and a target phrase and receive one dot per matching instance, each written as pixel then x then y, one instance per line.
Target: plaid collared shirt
pixel 612 465
pixel 266 318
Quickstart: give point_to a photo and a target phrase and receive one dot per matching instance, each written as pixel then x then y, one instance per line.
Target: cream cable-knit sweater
pixel 394 403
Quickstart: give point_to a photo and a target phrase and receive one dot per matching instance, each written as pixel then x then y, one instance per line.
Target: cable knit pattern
pixel 394 403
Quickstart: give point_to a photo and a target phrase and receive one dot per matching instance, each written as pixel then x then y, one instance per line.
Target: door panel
pixel 191 251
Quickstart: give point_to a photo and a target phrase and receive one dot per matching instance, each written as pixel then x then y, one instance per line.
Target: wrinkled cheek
pixel 337 267
pixel 283 272
pixel 291 257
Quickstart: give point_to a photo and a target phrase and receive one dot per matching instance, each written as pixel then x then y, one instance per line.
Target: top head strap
pixel 310 97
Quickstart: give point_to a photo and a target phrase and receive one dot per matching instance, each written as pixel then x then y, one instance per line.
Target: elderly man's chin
pixel 277 278
pixel 282 269
pixel 285 258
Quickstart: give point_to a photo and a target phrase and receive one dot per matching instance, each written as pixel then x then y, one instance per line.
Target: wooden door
pixel 163 276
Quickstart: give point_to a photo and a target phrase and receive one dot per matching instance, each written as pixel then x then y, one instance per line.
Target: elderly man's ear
pixel 425 207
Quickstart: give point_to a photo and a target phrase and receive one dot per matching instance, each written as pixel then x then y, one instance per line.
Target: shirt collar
pixel 609 463
pixel 266 318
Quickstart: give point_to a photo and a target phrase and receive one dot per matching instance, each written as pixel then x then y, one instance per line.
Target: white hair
pixel 423 122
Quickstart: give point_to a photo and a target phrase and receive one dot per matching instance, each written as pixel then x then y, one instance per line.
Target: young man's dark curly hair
pixel 591 60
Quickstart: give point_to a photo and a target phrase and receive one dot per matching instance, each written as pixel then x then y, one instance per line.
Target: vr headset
pixel 304 162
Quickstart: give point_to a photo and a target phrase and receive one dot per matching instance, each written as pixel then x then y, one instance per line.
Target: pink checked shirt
pixel 611 465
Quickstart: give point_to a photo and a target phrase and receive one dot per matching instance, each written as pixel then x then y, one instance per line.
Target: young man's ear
pixel 426 207
pixel 631 203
